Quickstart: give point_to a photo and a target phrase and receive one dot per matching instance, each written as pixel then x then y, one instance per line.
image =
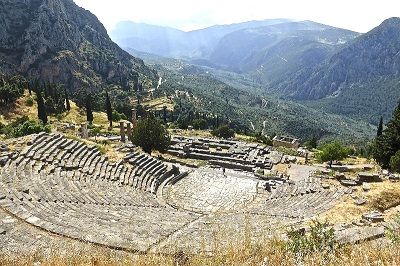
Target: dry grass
pixel 74 116
pixel 159 103
pixel 19 109
pixel 281 168
pixel 387 199
pixel 271 253
pixel 191 133
pixel 383 196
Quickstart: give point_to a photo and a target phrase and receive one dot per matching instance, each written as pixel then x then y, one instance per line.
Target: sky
pixel 357 15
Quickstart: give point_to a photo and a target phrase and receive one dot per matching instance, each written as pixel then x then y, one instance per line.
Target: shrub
pixel 10 91
pixel 260 138
pixel 331 152
pixel 311 143
pixel 151 135
pixel 118 116
pixel 101 149
pixel 29 101
pixel 223 131
pixel 200 124
pixel 395 162
pixel 23 126
pixel 320 239
pixel 393 232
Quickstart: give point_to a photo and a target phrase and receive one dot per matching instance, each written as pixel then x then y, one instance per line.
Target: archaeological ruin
pixel 58 189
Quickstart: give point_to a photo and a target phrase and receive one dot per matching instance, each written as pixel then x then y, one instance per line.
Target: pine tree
pixel 380 128
pixel 42 115
pixel 387 144
pixel 67 104
pixel 108 109
pixel 89 112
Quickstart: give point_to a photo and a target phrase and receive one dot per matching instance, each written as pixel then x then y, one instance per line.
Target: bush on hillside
pixel 10 91
pixel 29 101
pixel 321 238
pixel 223 131
pixel 333 151
pixel 311 143
pixel 22 127
pixel 200 124
pixel 395 162
pixel 393 232
pixel 118 116
pixel 261 138
pixel 150 134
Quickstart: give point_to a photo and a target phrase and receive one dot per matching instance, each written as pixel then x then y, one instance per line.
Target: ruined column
pixel 134 116
pixel 84 131
pixel 129 131
pixel 122 130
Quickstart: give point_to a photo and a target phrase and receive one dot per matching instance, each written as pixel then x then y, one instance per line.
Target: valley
pixel 244 141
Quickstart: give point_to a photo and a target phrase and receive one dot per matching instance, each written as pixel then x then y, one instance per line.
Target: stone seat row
pixel 120 227
pixel 62 186
pixel 145 173
pixel 100 212
pixel 293 189
pixel 302 206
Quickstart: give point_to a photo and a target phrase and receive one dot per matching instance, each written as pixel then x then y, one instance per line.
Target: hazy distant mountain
pixel 268 50
pixel 174 43
pixel 57 41
pixel 375 54
pixel 360 80
pixel 277 50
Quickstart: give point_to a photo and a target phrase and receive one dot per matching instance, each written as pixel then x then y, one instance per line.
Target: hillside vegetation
pixel 57 41
pixel 249 110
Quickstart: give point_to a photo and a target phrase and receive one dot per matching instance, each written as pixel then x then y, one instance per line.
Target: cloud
pixel 193 14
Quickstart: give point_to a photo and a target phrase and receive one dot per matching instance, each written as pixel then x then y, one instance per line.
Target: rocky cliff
pixel 57 41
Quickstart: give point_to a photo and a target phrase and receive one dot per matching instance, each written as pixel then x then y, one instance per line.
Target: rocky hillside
pixel 360 80
pixel 374 55
pixel 57 41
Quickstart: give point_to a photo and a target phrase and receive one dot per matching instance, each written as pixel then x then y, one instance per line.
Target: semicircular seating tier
pixel 70 189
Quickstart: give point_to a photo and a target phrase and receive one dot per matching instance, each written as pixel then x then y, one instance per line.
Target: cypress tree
pixel 165 114
pixel 42 115
pixel 387 144
pixel 67 104
pixel 89 112
pixel 136 83
pixel 28 85
pixel 380 128
pixel 108 109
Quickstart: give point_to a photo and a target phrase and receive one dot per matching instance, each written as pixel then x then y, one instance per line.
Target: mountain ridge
pixel 192 44
pixel 57 41
pixel 373 54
